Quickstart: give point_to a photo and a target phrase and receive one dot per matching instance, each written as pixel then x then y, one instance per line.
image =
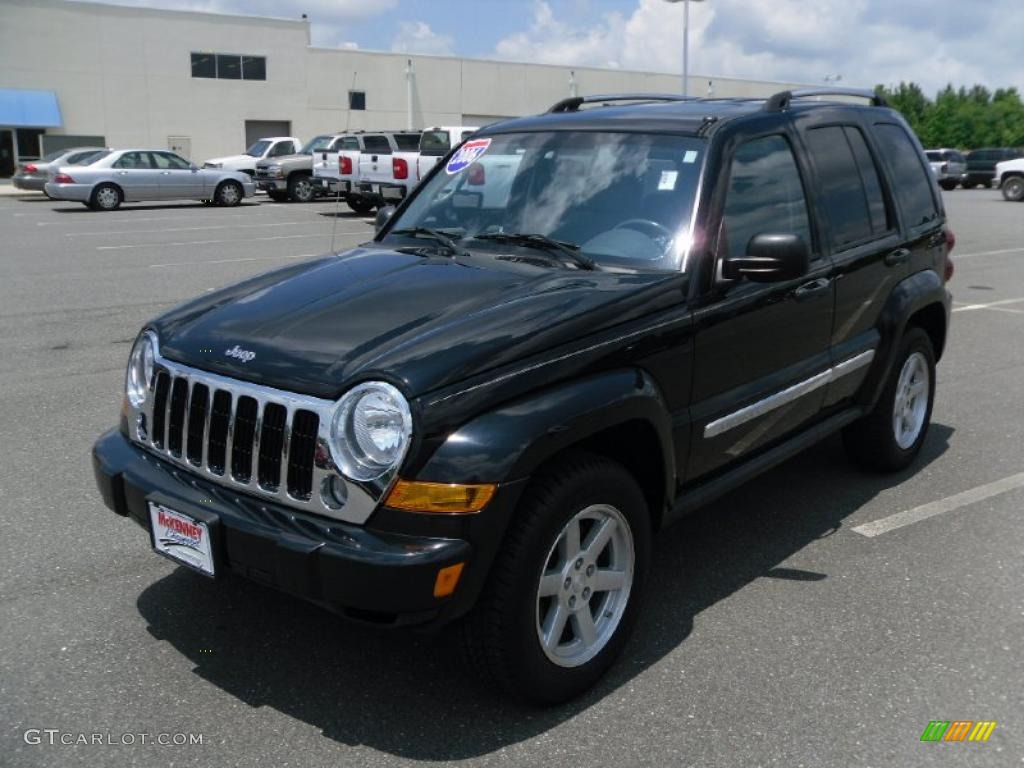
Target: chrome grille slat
pixel 303 457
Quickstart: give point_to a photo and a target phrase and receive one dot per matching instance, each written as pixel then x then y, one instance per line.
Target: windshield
pixel 624 199
pixel 257 149
pixel 316 144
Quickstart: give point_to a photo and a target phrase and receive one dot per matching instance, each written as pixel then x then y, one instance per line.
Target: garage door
pixel 258 129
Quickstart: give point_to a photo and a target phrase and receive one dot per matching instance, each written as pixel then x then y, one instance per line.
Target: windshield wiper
pixel 446 240
pixel 570 251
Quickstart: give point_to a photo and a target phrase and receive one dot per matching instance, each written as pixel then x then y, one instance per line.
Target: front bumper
pixel 270 185
pixel 77 192
pixel 370 575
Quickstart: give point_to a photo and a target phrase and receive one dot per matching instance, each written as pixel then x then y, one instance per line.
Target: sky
pixel 931 42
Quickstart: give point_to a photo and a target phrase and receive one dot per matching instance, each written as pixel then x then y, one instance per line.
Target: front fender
pixel 511 441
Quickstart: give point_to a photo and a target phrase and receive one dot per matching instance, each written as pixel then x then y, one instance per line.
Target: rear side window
pixel 435 142
pixel 849 183
pixel 765 195
pixel 377 145
pixel 911 182
pixel 133 160
pixel 349 144
pixel 407 142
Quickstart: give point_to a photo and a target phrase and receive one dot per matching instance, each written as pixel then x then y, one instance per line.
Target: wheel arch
pixel 920 300
pixel 617 414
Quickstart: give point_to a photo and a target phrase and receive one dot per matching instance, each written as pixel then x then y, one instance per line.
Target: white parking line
pixel 958 256
pixel 243 225
pixel 987 305
pixel 227 261
pixel 323 235
pixel 933 508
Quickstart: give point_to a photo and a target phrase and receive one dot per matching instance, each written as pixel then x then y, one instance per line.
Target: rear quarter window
pixel 851 191
pixel 911 182
pixel 407 142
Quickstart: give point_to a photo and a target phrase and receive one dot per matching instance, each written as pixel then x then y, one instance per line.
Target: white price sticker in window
pixel 668 180
pixel 690 156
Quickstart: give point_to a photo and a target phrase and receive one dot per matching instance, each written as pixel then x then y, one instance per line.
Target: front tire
pixel 1013 189
pixel 229 194
pixel 565 591
pixel 106 197
pixel 300 189
pixel 890 437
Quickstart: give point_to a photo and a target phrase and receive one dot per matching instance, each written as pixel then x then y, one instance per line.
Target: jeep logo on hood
pixel 240 354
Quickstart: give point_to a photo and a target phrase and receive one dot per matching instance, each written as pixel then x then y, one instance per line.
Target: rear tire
pixel 1013 189
pixel 229 194
pixel 890 437
pixel 300 189
pixel 555 614
pixel 105 197
pixel 360 206
pixel 948 184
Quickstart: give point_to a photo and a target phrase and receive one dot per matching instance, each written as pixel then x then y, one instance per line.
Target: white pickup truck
pixel 437 142
pixel 363 165
pixel 272 146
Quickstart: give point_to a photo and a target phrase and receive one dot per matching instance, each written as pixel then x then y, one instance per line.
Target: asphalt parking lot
pixel 776 632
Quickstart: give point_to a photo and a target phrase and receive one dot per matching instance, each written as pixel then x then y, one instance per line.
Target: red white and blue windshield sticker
pixel 466 155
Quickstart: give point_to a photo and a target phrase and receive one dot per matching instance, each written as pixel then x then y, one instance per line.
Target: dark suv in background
pixel 580 327
pixel 981 165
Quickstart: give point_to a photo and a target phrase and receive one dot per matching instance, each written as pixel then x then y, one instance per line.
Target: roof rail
pixel 573 103
pixel 782 99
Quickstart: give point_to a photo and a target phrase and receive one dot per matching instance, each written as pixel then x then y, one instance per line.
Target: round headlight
pixel 140 369
pixel 370 430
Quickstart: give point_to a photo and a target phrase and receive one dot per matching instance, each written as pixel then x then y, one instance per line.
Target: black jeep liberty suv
pixel 580 326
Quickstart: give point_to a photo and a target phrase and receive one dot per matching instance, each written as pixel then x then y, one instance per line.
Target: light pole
pixel 686 42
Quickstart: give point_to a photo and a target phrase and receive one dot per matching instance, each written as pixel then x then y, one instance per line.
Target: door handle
pixel 814 288
pixel 897 257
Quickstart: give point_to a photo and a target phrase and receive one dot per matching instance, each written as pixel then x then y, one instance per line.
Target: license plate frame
pixel 182 538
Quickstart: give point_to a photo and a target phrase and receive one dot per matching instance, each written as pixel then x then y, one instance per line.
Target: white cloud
pixel 867 41
pixel 418 37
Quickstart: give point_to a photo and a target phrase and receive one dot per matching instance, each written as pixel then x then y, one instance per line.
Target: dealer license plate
pixel 181 538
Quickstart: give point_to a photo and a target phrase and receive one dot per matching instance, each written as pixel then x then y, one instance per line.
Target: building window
pixel 229 66
pixel 204 65
pixel 357 100
pixel 254 68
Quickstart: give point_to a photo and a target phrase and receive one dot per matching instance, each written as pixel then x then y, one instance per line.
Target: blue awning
pixel 35 109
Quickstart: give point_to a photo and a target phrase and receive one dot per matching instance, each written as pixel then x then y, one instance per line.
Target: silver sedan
pixel 32 174
pixel 130 175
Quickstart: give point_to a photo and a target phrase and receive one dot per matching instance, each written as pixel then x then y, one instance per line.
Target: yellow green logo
pixel 958 730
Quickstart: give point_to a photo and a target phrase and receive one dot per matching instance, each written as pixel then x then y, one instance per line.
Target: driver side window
pixel 765 195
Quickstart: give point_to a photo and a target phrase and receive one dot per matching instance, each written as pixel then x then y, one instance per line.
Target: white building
pixel 208 84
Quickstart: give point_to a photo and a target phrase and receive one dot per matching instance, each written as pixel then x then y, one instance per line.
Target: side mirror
pixel 770 258
pixel 193 167
pixel 383 216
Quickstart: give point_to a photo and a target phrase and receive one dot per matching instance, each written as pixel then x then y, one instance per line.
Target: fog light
pixel 444 498
pixel 447 580
pixel 334 492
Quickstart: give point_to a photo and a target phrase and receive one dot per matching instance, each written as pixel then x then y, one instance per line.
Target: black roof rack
pixel 782 99
pixel 573 103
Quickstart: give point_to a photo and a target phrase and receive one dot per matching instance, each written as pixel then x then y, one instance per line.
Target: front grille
pixel 208 427
pixel 267 442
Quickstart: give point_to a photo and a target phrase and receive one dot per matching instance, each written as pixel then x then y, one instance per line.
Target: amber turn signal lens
pixel 447 580
pixel 444 498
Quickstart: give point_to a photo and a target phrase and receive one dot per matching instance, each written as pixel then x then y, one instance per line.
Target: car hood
pixel 285 159
pixel 233 159
pixel 421 322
